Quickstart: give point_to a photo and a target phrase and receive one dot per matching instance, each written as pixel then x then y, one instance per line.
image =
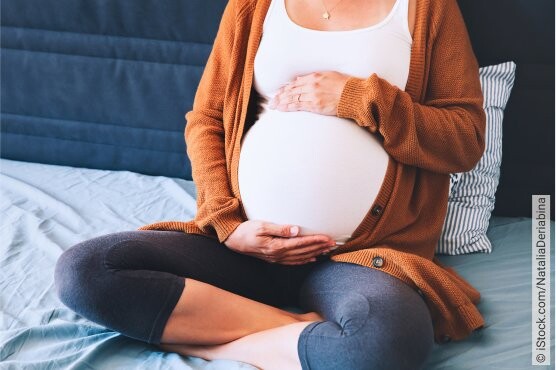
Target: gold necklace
pixel 326 14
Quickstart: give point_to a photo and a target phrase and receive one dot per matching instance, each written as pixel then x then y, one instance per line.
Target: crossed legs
pixel 190 294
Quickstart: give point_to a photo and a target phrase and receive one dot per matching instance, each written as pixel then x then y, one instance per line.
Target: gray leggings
pixel 130 282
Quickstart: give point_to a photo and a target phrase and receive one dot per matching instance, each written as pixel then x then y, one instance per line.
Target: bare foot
pixel 272 349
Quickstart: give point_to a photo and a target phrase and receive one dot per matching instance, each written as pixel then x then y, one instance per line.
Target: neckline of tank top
pixel 380 24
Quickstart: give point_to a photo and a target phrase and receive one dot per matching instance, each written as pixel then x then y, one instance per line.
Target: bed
pixel 93 97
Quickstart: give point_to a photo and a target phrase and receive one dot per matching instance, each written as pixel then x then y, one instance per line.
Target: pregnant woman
pixel 321 140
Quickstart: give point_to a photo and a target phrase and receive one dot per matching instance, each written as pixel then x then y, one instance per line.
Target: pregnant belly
pixel 322 173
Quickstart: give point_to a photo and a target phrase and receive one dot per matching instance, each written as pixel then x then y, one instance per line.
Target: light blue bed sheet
pixel 46 209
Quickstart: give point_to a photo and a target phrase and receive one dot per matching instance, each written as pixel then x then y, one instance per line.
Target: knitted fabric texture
pixel 436 126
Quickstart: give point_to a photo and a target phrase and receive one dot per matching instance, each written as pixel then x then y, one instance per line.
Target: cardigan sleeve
pixel 217 208
pixel 446 133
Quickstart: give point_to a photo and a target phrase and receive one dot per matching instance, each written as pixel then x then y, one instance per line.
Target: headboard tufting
pixel 103 84
pixel 106 83
pixel 521 31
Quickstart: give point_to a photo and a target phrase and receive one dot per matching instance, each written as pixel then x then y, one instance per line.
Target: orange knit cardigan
pixel 433 128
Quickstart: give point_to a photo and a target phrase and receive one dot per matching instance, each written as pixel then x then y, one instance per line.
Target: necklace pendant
pixel 325 15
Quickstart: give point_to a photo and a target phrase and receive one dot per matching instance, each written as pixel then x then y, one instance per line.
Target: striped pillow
pixel 471 195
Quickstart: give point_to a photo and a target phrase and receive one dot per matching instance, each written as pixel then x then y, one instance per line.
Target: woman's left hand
pixel 317 92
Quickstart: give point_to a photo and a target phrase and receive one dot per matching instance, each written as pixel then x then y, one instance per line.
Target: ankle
pixel 310 316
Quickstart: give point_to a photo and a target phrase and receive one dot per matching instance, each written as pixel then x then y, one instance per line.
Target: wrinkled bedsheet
pixel 46 209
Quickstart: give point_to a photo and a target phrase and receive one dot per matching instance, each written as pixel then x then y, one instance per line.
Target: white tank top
pixel 288 50
pixel 318 171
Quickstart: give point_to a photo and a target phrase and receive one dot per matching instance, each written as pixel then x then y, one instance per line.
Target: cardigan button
pixel 378 262
pixel 445 338
pixel 376 210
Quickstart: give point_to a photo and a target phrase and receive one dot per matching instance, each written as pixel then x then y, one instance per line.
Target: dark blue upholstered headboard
pixel 103 83
pixel 522 31
pixel 106 83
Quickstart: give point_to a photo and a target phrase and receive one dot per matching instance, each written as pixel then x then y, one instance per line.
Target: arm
pixel 217 208
pixel 446 134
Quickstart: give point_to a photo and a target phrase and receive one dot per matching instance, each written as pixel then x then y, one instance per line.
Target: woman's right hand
pixel 277 244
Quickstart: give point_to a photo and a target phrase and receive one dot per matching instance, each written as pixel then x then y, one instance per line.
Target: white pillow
pixel 472 194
